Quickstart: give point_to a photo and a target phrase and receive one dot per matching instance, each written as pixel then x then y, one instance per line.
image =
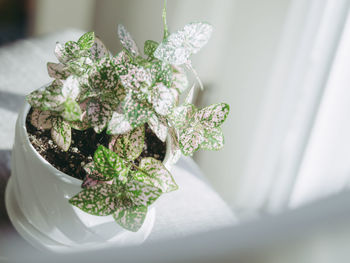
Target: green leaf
pixel 61 133
pixel 140 193
pixel 41 120
pixel 149 48
pixel 118 124
pixel 72 111
pixel 87 40
pixel 110 164
pixel 156 175
pixel 177 48
pixel 130 218
pixel 99 200
pixel 94 173
pixel 213 115
pixel 127 41
pixel 190 139
pixel 213 139
pixel 129 145
pixel 57 70
pixel 159 126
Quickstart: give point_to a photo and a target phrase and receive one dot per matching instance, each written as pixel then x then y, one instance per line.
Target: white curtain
pixel 291 149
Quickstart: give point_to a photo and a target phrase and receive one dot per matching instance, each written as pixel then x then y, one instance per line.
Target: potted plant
pixel 94 148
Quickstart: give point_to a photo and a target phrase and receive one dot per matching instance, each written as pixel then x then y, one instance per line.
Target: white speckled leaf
pixel 72 111
pixel 157 175
pixel 41 119
pixel 130 218
pixel 61 133
pixel 71 87
pixel 175 147
pixel 213 115
pixel 118 124
pixel 98 50
pixel 141 194
pixel 191 139
pixel 213 139
pixel 129 145
pixel 99 200
pixel 178 47
pixel 110 164
pixel 181 115
pixel 158 126
pixel 162 72
pixel 87 40
pixel 127 41
pixel 162 99
pixel 179 81
pixel 57 70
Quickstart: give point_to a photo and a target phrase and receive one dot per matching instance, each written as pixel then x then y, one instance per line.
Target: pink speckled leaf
pixel 99 200
pixel 190 139
pixel 213 115
pixel 130 218
pixel 57 70
pixel 110 165
pixel 95 174
pixel 118 124
pixel 98 114
pixel 156 175
pixel 61 133
pixel 140 193
pixel 162 99
pixel 41 120
pixel 98 50
pixel 181 115
pixel 127 41
pixel 129 146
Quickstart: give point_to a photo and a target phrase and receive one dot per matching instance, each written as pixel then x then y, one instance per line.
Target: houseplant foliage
pixel 120 94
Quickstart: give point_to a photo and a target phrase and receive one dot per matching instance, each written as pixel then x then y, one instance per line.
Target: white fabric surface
pixel 194 208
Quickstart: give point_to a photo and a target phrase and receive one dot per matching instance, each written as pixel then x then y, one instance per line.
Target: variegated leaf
pixel 57 70
pixel 141 194
pixel 87 40
pixel 181 115
pixel 136 112
pixel 89 182
pixel 149 48
pixel 131 75
pixel 130 218
pixel 162 99
pixel 155 174
pixel 158 126
pixel 130 145
pixel 213 115
pixel 104 76
pixel 73 50
pixel 179 81
pixel 213 139
pixel 41 120
pixel 95 174
pixel 61 133
pixel 127 41
pixel 71 87
pixel 72 111
pixel 110 164
pixel 190 139
pixel 60 53
pixel 98 114
pixel 98 50
pixel 177 48
pixel 99 200
pixel 175 147
pixel 84 123
pixel 118 124
pixel 162 72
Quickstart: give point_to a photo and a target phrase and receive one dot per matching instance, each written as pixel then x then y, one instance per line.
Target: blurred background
pixel 282 65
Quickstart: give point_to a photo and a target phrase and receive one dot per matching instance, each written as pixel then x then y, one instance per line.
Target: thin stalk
pixel 166 33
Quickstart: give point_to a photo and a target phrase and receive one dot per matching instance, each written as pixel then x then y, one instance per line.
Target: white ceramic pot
pixel 37 202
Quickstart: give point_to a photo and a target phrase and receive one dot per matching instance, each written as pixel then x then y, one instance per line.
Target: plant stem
pixel 166 33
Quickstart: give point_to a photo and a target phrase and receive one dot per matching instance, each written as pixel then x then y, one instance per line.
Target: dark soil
pixel 84 144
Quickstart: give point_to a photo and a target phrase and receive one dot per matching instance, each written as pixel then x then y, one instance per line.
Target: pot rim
pixel 62 176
